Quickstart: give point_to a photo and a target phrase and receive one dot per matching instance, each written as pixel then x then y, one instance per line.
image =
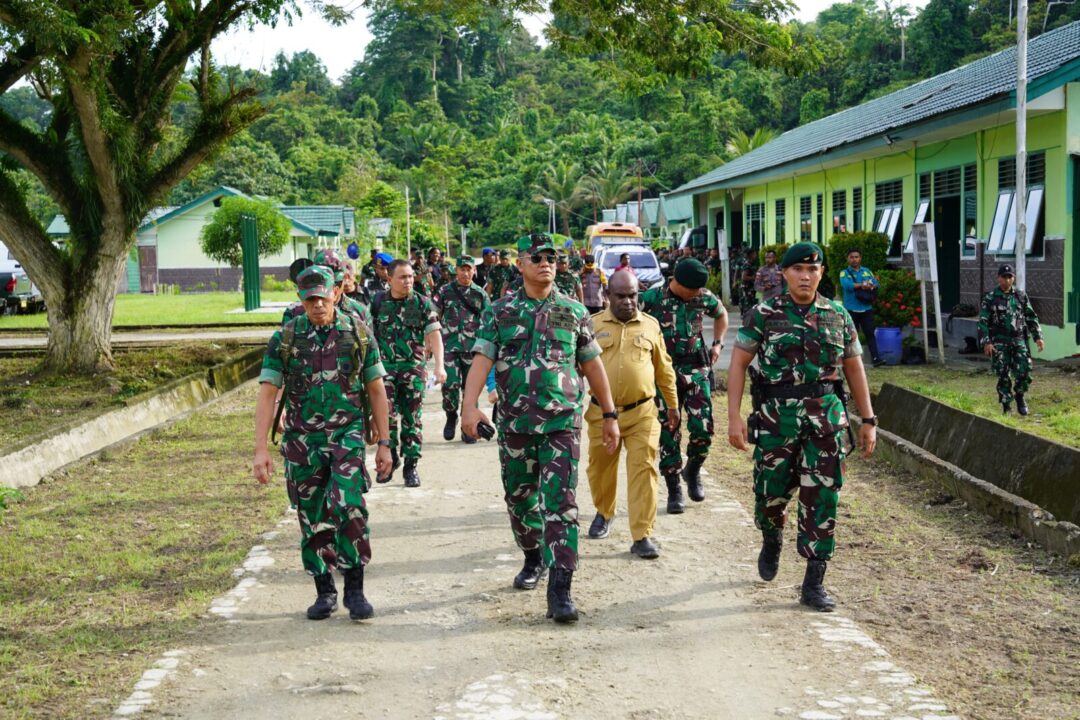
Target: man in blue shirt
pixel 858 283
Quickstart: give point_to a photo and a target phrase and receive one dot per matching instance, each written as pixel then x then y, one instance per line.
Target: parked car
pixel 695 238
pixel 17 293
pixel 642 260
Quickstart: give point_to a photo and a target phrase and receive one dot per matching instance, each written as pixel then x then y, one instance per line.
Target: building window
pixel 924 186
pixel 805 219
pixel 888 212
pixel 948 183
pixel 971 209
pixel 755 224
pixel 839 211
pixel 856 208
pixel 781 220
pixel 1003 229
pixel 820 217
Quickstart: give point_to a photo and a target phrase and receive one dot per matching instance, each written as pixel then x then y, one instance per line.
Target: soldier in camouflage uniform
pixel 460 305
pixel 538 341
pixel 577 260
pixel 745 280
pixel 500 276
pixel 423 281
pixel 330 259
pixel 568 283
pixel 1005 322
pixel 406 321
pixel 380 281
pixel 801 340
pixel 442 272
pixel 680 308
pixel 326 362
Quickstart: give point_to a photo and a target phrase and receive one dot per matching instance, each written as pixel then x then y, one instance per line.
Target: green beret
pixel 804 252
pixel 691 274
pixel 535 243
pixel 316 281
pixel 464 260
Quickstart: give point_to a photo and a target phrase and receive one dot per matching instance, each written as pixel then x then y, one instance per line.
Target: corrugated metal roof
pixel 988 78
pixel 677 208
pixel 324 218
pixel 59 226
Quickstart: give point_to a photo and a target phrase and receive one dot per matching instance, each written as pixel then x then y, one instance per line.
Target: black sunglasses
pixel 537 258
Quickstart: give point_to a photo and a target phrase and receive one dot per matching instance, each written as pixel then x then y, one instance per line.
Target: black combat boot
pixel 531 571
pixel 1005 407
pixel 1021 404
pixel 692 475
pixel 560 605
pixel 359 607
pixel 676 504
pixel 412 480
pixel 326 602
pixel 813 592
pixel 768 560
pixel 450 427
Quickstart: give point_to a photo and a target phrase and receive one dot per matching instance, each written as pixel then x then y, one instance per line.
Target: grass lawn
pixel 194 309
pixel 1054 396
pixel 108 566
pixel 971 608
pixel 42 400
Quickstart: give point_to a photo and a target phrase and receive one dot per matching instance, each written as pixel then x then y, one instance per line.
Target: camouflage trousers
pixel 325 477
pixel 747 299
pixel 539 474
pixel 405 395
pixel 800 448
pixel 1012 363
pixel 457 369
pixel 695 406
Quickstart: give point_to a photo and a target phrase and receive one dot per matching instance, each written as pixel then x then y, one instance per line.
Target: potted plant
pixel 897 306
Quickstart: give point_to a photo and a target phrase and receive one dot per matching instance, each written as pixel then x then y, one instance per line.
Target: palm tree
pixel 607 184
pixel 561 183
pixel 740 143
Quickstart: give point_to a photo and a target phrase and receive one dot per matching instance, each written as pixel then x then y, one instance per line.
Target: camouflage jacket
pixel 577 264
pixel 568 283
pixel 459 321
pixel 372 287
pixel 323 392
pixel 442 273
pixel 400 327
pixel 368 271
pixel 1007 317
pixel 347 305
pixel 537 346
pixel 681 321
pixel 796 348
pixel 499 278
pixel 424 282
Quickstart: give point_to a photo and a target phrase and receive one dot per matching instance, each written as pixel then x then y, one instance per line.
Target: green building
pixel 941 151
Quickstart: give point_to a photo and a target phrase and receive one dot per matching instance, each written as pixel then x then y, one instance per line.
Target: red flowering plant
pixel 898 302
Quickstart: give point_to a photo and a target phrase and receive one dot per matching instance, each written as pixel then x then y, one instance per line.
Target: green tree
pixel 940 36
pixel 562 184
pixel 220 238
pixel 814 105
pixel 741 143
pixel 110 70
pixel 303 69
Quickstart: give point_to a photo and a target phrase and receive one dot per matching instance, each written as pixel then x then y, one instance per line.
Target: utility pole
pixel 639 192
pixel 408 226
pixel 1020 203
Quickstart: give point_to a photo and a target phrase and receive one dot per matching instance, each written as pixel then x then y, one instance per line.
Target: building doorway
pixel 948 224
pixel 147 268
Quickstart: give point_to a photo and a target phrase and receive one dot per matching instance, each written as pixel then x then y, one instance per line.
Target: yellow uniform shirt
pixel 634 356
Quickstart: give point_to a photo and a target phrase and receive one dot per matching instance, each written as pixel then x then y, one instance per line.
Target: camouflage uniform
pixel 346 305
pixel 323 445
pixel 681 323
pixel 500 277
pixel 1006 320
pixel 577 263
pixel 400 327
pixel 568 283
pixel 800 441
pixel 442 274
pixel 459 323
pixel 425 284
pixel 537 346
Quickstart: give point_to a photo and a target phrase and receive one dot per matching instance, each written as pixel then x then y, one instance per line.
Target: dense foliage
pixel 220 238
pixel 899 300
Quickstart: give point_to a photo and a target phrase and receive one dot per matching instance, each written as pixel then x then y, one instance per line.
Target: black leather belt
pixel 624 408
pixel 798 392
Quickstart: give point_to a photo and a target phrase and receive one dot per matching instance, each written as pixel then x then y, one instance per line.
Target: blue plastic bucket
pixel 889 344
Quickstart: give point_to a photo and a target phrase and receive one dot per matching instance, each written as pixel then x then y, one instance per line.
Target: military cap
pixel 803 252
pixel 535 243
pixel 316 281
pixel 504 253
pixel 298 266
pixel 1005 269
pixel 691 274
pixel 385 258
pixel 562 258
pixel 332 260
pixel 464 260
pixel 488 251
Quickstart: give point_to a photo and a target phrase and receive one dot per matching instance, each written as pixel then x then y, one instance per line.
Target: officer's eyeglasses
pixel 537 258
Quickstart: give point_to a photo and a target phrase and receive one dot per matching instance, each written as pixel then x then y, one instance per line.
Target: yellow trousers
pixel 640 431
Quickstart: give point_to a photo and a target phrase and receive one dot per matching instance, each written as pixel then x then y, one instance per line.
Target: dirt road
pixel 693 634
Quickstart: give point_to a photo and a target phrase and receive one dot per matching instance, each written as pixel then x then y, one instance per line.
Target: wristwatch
pixel 718 342
pixel 613 415
pixel 870 420
pixel 384 443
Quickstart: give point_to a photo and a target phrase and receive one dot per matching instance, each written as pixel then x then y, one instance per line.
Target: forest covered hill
pixel 482 123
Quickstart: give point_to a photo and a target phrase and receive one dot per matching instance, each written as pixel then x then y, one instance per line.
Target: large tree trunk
pixel 80 320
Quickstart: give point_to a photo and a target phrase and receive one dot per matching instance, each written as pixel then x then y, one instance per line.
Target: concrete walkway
pixel 693 634
pixel 122 338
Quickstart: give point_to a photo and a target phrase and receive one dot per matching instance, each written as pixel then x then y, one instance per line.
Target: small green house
pixel 941 151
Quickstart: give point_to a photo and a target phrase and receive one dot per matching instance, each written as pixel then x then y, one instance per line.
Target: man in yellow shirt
pixel 637 363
